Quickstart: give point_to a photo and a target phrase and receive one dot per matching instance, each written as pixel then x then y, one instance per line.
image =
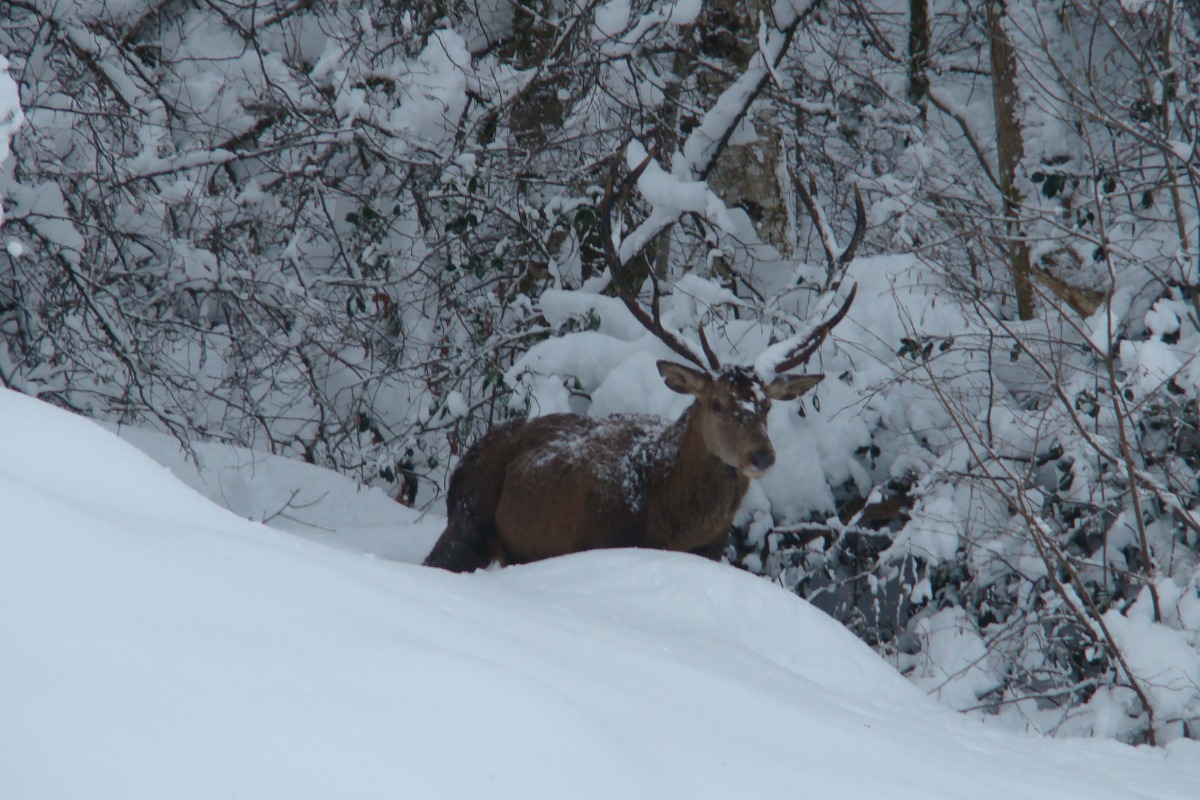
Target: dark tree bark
pixel 1009 152
pixel 918 55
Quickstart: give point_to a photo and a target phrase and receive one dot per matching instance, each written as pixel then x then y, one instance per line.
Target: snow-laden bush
pixel 216 214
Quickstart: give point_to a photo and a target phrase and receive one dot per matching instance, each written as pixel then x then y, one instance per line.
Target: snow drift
pixel 155 645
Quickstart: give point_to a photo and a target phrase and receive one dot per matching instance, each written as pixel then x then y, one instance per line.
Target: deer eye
pixel 717 406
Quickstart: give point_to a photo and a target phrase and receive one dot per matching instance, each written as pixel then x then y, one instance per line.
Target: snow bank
pixel 292 496
pixel 159 646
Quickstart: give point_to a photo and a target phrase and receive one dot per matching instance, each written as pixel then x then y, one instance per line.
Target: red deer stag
pixel 564 483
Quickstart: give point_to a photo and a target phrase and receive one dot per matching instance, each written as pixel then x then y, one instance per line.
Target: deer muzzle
pixel 761 459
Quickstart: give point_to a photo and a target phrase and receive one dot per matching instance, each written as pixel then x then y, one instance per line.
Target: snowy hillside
pixel 157 646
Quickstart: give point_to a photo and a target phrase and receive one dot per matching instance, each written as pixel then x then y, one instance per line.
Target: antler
pixel 615 195
pixel 803 351
pixel 836 265
pixel 834 261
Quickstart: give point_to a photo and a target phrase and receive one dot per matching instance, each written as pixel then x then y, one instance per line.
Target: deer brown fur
pixel 565 483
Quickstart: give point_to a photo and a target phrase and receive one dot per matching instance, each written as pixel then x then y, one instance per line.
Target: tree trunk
pixel 747 175
pixel 1009 152
pixel 918 55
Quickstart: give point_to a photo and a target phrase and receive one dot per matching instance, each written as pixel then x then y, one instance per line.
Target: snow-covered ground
pixel 155 645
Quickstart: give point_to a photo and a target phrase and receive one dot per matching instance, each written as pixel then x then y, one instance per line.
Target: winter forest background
pixel 361 233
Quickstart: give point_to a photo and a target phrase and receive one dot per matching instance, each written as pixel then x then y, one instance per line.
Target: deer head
pixel 731 410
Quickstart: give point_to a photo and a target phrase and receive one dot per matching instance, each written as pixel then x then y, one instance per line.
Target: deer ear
pixel 789 387
pixel 684 380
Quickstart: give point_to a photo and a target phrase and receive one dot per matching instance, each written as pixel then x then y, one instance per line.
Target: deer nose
pixel 762 459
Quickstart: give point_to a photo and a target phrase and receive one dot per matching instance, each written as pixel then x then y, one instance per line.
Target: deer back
pixel 574 483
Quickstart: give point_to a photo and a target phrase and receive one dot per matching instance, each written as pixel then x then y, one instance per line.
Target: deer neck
pixel 694 495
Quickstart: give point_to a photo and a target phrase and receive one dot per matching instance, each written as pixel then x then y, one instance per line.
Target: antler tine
pixel 615 195
pixel 713 361
pixel 860 230
pixel 803 351
pixel 834 262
